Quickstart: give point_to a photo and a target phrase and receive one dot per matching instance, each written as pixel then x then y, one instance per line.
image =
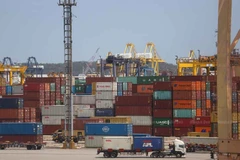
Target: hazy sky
pixel 35 27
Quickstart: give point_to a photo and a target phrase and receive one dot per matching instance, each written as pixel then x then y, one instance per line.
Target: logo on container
pixel 105 129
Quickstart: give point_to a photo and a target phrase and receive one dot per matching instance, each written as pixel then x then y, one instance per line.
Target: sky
pixel 35 28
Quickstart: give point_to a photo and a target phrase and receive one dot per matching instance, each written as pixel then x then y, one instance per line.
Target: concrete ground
pixel 83 153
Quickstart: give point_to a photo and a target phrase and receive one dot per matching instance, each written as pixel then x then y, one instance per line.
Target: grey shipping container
pixel 55 110
pixel 84 99
pixel 17 90
pixel 93 141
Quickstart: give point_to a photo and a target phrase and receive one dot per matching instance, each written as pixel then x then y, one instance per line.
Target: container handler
pixel 59 136
pixel 113 146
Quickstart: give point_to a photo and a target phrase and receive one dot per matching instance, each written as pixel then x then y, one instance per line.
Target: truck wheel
pixel 106 155
pixel 178 155
pixel 161 155
pixel 39 147
pixel 114 154
pixel 29 147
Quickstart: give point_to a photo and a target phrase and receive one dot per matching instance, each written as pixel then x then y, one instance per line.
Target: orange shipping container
pixel 202 129
pixel 144 88
pixel 183 86
pixel 184 104
pixel 203 86
pixel 47 86
pixel 199 112
pixel 208 103
pixel 198 85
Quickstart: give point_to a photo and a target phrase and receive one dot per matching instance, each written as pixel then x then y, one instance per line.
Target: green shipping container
pixel 151 79
pixel 58 102
pixel 235 128
pixel 62 89
pixel 80 81
pixel 52 87
pixel 199 103
pixel 125 86
pixel 207 86
pixel 162 122
pixel 184 113
pixel 80 88
pixel 127 79
pixel 162 95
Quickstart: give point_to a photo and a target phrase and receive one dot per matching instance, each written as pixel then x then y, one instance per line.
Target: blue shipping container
pixel 208 95
pixel 8 128
pixel 162 95
pixel 8 90
pixel 10 103
pixel 104 112
pixel 144 143
pixel 119 93
pixel 119 86
pixel 141 135
pixel 108 129
pixel 88 88
pixel 234 96
pixel 73 89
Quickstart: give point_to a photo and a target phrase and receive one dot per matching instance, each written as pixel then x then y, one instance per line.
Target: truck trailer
pixel 113 146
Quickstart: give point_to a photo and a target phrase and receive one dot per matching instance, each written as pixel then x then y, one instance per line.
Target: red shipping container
pixel 142 129
pixel 187 78
pixel 162 113
pixel 235 136
pixel 134 88
pixel 183 86
pixel 33 113
pixel 53 96
pixel 184 95
pixel 133 111
pixel 145 89
pixel 52 102
pixel 125 93
pixel 212 78
pixel 58 95
pixel 47 95
pixel 50 129
pixel 163 104
pixel 78 124
pixel 204 105
pixel 136 100
pixel 41 79
pixel 183 122
pixel 35 104
pixel 198 95
pixel 22 138
pixel 11 114
pixel 11 120
pixel 29 95
pixel 129 93
pixel 203 95
pixel 33 86
pixel 203 121
pixel 47 102
pixel 2 90
pixel 179 132
pixel 129 86
pixel 162 86
pixel 26 113
pixel 162 131
pixel 12 96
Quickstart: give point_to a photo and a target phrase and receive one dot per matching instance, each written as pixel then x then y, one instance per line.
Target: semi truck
pixel 200 143
pixel 59 136
pixel 114 146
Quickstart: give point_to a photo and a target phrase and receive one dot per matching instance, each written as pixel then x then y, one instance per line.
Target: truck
pixel 113 146
pixel 200 143
pixel 59 135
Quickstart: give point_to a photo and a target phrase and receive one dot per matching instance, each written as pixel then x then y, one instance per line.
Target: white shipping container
pixel 55 110
pixel 86 112
pixel 93 141
pixel 84 99
pixel 105 95
pixel 104 103
pixel 52 120
pixel 106 86
pixel 16 90
pixel 141 120
pixel 116 143
pixel 73 81
pixel 77 108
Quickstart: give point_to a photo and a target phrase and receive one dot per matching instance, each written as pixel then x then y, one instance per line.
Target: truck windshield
pixel 182 146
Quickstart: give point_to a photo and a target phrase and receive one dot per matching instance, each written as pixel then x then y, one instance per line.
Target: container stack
pixel 2 86
pixel 84 105
pixel 162 109
pixel 139 108
pixel 94 132
pixel 105 98
pixel 124 88
pixel 184 107
pixel 235 111
pixel 214 118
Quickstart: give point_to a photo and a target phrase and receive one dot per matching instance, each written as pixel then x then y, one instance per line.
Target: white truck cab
pixel 180 146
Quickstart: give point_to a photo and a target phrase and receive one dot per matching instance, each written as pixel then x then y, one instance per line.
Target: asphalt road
pixel 83 153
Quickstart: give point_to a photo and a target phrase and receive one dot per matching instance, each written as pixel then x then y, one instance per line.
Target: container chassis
pixel 154 154
pixel 27 145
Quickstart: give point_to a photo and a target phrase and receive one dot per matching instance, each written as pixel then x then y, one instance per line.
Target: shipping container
pixel 162 122
pixel 141 120
pixel 135 100
pixel 188 78
pixel 133 110
pixel 183 122
pixel 162 131
pixel 105 95
pixel 148 89
pixel 104 103
pixel 198 134
pixel 184 113
pixel 162 95
pixel 80 88
pixel 77 108
pixel 22 138
pixel 184 86
pixel 203 129
pixel 179 132
pixel 84 99
pixel 133 80
pixel 116 143
pixel 142 129
pixel 11 113
pixel 90 80
pixel 50 129
pixel 118 119
pixel 162 113
pixel 21 128
pixel 184 104
pixel 88 88
pixel 11 103
pixel 33 86
pixel 203 121
pixel 157 143
pixel 8 90
pixel 55 110
pixel 93 141
pixel 184 95
pixel 108 129
pixel 214 118
pixel 163 104
pixel 30 95
pixel 78 123
pixel 104 112
pixel 106 86
pixel 152 79
pixel 89 112
pixel 162 86
pixel 52 120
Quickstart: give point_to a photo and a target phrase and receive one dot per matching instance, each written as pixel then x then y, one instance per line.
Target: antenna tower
pixel 67 23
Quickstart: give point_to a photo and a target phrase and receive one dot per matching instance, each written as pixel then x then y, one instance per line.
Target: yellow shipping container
pixel 234 117
pixel 94 87
pixel 198 134
pixel 93 92
pixel 214 117
pixel 117 119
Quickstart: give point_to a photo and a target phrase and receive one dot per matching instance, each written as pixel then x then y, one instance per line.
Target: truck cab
pixel 179 147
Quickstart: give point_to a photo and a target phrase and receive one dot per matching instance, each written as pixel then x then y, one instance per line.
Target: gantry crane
pixel 33 68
